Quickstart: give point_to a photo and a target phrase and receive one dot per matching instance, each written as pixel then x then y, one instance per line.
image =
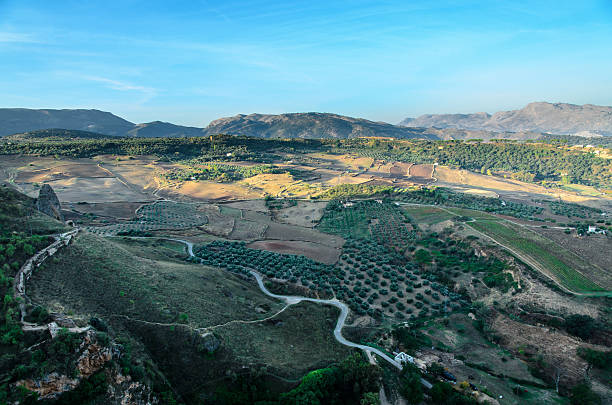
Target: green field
pixel 561 264
pixel 428 215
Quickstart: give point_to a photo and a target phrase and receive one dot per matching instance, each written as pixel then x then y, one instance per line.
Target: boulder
pixel 48 203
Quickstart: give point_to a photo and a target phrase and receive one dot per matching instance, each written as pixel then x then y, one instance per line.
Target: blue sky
pixel 189 62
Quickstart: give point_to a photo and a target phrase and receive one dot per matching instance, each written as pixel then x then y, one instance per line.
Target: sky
pixel 189 62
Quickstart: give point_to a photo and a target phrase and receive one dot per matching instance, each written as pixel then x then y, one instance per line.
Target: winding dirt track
pixel 344 311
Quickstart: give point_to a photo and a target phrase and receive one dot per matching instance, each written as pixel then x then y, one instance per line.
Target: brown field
pixel 95 189
pixel 315 251
pixel 121 210
pixel 218 224
pixel 421 174
pixel 60 172
pixel 291 232
pixel 257 216
pixel 343 161
pixel 251 205
pixel 381 167
pixel 462 180
pixel 247 230
pixel 207 190
pixel 278 185
pixel 305 213
pixel 137 172
pixel 348 179
pixel 400 169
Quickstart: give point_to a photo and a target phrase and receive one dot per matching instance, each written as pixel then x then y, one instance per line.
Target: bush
pixel 583 395
pixel 602 360
pixel 582 326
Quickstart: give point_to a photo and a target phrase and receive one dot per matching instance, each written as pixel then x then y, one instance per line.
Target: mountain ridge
pixel 556 118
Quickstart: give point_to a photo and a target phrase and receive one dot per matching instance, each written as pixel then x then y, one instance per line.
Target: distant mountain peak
pixel 540 116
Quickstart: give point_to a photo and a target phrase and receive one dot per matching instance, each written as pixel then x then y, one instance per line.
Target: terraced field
pixel 569 269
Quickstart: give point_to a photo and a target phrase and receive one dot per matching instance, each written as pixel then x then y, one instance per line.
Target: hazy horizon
pixel 192 63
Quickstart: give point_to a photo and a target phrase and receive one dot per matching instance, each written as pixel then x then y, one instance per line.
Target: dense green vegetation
pixel 536 161
pixel 355 191
pixel 573 210
pixel 539 162
pixel 602 360
pixel 443 196
pixel 221 173
pixel 603 141
pixel 381 220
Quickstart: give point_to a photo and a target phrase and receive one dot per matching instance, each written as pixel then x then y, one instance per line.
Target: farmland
pixel 560 264
pixel 372 233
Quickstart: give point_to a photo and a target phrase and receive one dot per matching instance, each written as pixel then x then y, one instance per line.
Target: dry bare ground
pixel 119 210
pixel 305 213
pixel 315 251
pixel 421 174
pixel 291 232
pixel 278 185
pixel 557 348
pixel 251 205
pixel 208 190
pixel 462 180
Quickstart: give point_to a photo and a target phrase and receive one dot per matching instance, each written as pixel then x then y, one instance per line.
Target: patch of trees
pixel 350 382
pixel 444 196
pixel 221 173
pixel 544 161
pixel 573 210
pixel 596 358
pixel 356 191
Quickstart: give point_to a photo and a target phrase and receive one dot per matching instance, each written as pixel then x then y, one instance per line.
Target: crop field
pixel 304 213
pixel 384 222
pixel 212 191
pixel 315 251
pixel 427 215
pixel 561 265
pixel 279 185
pixel 156 216
pixel 421 174
pixel 370 278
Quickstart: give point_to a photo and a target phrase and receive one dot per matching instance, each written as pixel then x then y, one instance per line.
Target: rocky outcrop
pixel 48 203
pixel 208 342
pixel 93 358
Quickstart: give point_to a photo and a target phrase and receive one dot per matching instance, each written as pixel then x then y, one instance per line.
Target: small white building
pixel 403 358
pixel 594 229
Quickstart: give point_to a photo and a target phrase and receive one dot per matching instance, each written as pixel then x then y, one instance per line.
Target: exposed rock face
pixel 557 118
pixel 93 358
pixel 48 203
pixel 208 342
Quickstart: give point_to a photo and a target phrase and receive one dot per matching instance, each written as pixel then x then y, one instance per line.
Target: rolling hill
pixel 310 125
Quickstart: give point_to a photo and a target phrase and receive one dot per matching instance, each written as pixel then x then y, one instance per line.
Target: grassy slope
pixel 144 280
pixel 98 276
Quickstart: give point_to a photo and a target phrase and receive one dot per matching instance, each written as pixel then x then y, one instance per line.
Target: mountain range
pixel 555 118
pixel 526 123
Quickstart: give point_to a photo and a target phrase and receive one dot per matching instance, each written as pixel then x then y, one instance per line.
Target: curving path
pixel 344 311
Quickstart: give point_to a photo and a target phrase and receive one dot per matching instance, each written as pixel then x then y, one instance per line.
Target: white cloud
pixel 149 92
pixel 16 37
